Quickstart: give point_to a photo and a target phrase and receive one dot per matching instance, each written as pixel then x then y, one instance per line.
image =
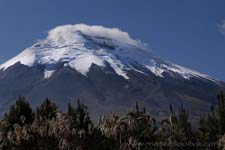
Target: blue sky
pixel 190 33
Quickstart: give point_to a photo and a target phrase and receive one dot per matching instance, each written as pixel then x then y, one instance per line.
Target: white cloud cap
pixel 66 33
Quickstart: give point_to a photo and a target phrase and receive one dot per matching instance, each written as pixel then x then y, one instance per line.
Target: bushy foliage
pixel 47 128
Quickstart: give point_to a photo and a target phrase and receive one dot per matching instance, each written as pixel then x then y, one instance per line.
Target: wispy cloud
pixel 222 27
pixel 66 33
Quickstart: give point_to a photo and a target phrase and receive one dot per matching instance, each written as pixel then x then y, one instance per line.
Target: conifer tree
pixel 220 113
pixel 47 110
pixel 79 115
pixel 184 123
pixel 44 115
pixel 20 113
pixel 216 118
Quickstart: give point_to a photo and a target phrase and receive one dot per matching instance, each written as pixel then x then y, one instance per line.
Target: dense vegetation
pixel 46 128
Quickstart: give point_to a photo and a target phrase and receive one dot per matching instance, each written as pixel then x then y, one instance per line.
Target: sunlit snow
pixel 79 46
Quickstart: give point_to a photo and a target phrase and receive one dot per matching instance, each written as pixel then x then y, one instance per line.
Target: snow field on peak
pixel 79 46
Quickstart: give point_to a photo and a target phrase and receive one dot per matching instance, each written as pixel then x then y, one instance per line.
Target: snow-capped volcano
pixel 107 69
pixel 79 46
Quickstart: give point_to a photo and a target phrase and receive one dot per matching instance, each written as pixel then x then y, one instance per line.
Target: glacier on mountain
pixel 79 46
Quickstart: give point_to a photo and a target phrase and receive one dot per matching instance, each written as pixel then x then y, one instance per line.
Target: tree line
pixel 47 128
